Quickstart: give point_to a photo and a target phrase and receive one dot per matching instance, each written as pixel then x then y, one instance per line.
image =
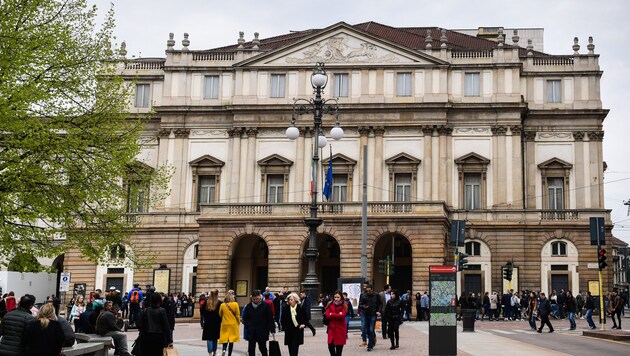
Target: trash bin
pixel 468 319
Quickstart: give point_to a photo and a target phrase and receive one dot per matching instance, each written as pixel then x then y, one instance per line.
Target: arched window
pixel 473 248
pixel 558 248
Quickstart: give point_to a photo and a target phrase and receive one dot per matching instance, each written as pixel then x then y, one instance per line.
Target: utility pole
pixel 627 202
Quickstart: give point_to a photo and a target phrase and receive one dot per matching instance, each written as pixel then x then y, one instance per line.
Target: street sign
pixel 64 282
pixel 592 266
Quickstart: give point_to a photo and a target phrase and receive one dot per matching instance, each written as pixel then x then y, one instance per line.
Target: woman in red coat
pixel 336 314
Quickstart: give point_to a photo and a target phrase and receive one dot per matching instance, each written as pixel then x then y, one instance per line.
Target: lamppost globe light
pixel 319 80
pixel 292 132
pixel 336 133
pixel 322 141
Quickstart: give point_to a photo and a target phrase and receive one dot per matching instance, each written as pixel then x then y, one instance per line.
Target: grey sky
pixel 145 24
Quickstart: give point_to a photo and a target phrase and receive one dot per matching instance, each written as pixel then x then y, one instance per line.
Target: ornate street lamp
pixel 317 107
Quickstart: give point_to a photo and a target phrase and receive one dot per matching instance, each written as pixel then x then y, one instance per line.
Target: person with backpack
pixel 135 298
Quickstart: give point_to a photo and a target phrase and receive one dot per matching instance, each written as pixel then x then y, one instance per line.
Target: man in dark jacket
pixel 258 322
pixel 106 326
pixel 306 306
pixel 171 309
pixel 12 327
pixel 370 305
pixel 543 311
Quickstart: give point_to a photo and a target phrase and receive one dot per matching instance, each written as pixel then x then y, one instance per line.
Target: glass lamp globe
pixel 319 80
pixel 321 141
pixel 336 133
pixel 292 132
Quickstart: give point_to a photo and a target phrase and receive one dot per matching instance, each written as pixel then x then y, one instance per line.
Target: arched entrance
pixel 189 269
pixel 328 263
pixel 250 266
pixel 398 248
pixel 559 266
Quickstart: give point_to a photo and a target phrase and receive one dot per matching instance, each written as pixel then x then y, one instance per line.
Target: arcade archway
pixel 398 248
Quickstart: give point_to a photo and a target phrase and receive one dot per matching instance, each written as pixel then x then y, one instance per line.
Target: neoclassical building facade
pixel 457 127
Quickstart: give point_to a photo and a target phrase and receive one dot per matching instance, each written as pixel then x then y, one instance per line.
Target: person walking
pixel 12 327
pixel 494 306
pixel 77 309
pixel 570 307
pixel 349 310
pixel 486 306
pixel 424 306
pixel 135 298
pixel 543 311
pixel 230 320
pixel 336 313
pixel 259 323
pixel 532 310
pixel 394 311
pixel 44 336
pixel 589 305
pixel 305 301
pixel 384 297
pixel 293 322
pixel 370 305
pixel 212 322
pixel 617 305
pixel 154 328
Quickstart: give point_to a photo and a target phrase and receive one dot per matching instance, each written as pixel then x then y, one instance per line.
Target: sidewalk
pixel 413 341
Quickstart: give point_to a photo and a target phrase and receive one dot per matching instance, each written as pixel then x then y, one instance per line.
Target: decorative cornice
pixel 379 131
pixel 498 130
pixel 516 130
pixel 578 135
pixel 529 136
pixel 364 130
pixel 251 132
pixel 445 130
pixel 208 132
pixel 235 132
pixel 428 130
pixel 181 133
pixel 596 135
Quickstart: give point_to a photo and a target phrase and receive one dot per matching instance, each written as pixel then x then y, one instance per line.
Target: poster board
pixel 442 310
pixel 162 280
pixel 593 287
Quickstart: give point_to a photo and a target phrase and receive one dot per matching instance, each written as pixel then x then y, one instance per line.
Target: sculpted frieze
pixel 342 49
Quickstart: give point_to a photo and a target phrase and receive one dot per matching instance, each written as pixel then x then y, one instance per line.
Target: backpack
pixel 135 297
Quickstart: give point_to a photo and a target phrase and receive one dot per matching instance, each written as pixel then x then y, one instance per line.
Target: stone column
pixel 180 161
pixel 298 184
pixel 308 163
pixel 427 163
pixel 515 168
pixel 163 158
pixel 364 131
pixel 235 165
pixel 443 163
pixel 250 175
pixel 378 164
pixel 531 169
pixel 499 179
pixel 435 166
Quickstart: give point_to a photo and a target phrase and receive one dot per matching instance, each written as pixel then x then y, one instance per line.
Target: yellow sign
pixel 593 287
pixel 161 280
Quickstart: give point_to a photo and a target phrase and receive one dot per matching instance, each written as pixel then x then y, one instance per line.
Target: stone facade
pixel 456 127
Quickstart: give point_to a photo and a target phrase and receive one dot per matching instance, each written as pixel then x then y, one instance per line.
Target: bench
pixel 91 349
pixel 106 342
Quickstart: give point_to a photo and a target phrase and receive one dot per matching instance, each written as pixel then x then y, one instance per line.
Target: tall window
pixel 472 84
pixel 275 188
pixel 403 84
pixel 277 85
pixel 473 248
pixel 555 191
pixel 211 87
pixel 554 91
pixel 472 191
pixel 403 187
pixel 339 188
pixel 137 196
pixel 142 95
pixel 341 85
pixel 206 189
pixel 559 248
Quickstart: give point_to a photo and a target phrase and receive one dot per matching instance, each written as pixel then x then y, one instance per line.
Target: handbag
pixel 136 349
pixel 274 347
pixel 170 351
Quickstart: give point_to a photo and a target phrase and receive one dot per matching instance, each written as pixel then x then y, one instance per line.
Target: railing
pixel 390 208
pixel 248 209
pixel 213 56
pixel 559 215
pixel 472 54
pixel 145 65
pixel 553 61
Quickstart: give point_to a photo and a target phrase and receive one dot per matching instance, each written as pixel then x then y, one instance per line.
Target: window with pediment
pixel 275 171
pixel 206 173
pixel 555 182
pixel 471 171
pixel 343 168
pixel 403 177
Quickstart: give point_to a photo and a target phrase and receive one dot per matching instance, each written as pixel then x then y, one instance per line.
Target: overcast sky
pixel 145 24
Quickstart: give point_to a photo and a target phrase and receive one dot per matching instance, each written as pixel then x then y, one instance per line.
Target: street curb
pixel 607 334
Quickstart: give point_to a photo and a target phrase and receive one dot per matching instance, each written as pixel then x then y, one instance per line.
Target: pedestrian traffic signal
pixel 507 271
pixel 601 260
pixel 462 262
pixel 382 266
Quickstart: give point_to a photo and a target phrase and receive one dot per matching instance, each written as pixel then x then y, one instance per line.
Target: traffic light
pixel 507 271
pixel 382 266
pixel 391 269
pixel 601 260
pixel 462 262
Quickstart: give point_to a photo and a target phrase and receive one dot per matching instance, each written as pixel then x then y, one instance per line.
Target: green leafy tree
pixel 68 148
